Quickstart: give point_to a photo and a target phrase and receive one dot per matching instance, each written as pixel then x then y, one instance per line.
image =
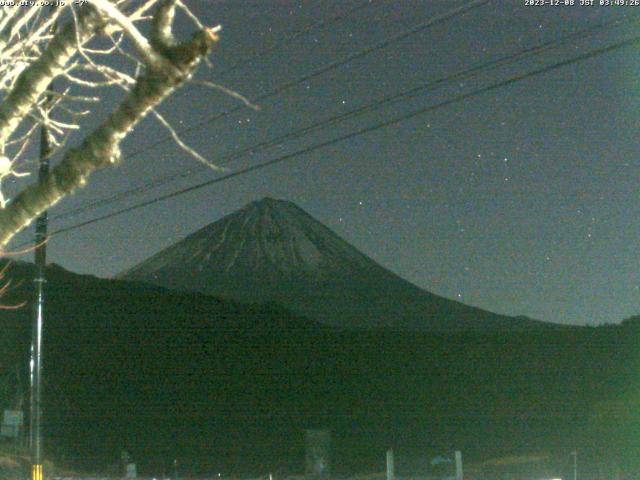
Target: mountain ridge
pixel 273 250
pixel 227 387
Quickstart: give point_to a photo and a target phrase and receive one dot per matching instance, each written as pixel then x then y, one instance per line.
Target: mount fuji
pixel 273 251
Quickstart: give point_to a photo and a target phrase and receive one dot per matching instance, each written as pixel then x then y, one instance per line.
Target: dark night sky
pixel 521 200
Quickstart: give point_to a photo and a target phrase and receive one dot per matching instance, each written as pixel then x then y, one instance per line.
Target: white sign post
pixel 11 423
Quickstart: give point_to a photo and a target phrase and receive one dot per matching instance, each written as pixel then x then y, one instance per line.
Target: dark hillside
pixel 230 387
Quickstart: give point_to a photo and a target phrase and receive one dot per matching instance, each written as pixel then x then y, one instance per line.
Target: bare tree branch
pixel 184 146
pixel 102 147
pixel 227 91
pixel 34 80
pixel 142 46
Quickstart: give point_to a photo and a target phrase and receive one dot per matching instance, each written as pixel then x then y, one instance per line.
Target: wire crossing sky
pixel 631 42
pixel 510 190
pixel 403 95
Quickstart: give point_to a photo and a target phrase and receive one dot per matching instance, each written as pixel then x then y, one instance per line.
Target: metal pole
pixel 459 475
pixel 575 464
pixel 391 474
pixel 35 432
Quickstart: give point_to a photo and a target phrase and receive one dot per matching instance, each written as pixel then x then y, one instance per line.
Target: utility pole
pixel 35 430
pixel 575 464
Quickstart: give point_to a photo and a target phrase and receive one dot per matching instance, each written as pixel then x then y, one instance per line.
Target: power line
pixel 402 118
pixel 438 19
pixel 380 45
pixel 461 75
pixel 260 55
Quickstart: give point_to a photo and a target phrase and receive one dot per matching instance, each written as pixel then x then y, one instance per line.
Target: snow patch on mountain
pixel 272 250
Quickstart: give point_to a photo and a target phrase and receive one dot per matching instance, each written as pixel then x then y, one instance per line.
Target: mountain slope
pixel 161 373
pixel 272 250
pixel 229 388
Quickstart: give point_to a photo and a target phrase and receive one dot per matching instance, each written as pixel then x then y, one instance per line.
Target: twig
pixel 227 91
pixel 184 146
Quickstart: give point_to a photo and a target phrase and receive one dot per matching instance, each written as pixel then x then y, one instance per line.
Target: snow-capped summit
pixel 271 239
pixel 273 251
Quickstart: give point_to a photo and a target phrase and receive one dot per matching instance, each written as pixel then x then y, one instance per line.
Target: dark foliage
pixel 229 387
